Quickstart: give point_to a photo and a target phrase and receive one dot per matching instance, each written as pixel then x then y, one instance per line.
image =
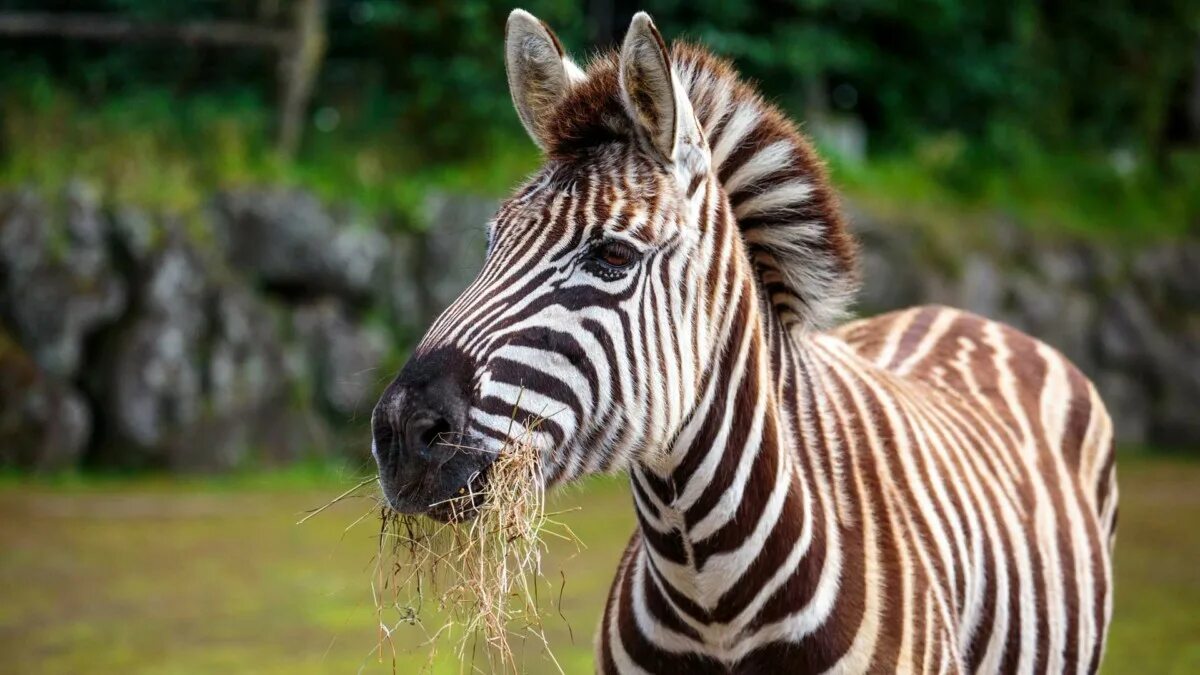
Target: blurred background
pixel 223 224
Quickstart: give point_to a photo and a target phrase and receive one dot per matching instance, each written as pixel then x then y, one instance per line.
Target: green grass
pixel 154 149
pixel 943 182
pixel 1156 625
pixel 156 576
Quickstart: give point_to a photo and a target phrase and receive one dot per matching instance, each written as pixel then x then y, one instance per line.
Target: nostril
pixel 439 432
pixel 423 432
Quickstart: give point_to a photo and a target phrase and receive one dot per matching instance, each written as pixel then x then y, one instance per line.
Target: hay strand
pixel 481 573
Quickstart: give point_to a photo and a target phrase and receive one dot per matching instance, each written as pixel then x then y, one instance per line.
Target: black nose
pixel 426 459
pixel 414 424
pixel 418 415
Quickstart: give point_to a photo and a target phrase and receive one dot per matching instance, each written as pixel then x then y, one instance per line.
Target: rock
pixel 290 242
pixel 198 378
pixel 85 226
pixel 889 268
pixel 59 283
pixel 1128 405
pixel 889 263
pixel 1062 317
pixel 246 354
pixel 1184 279
pixel 455 243
pixel 156 383
pixel 1102 267
pixel 1128 335
pixel 886 283
pixel 1168 273
pixel 245 390
pixel 1009 239
pixel 981 286
pixel 409 300
pixel 1165 366
pixel 155 377
pixel 56 311
pixel 201 358
pixel 176 284
pixel 1061 267
pixel 1175 420
pixel 45 423
pixel 23 233
pixel 136 233
pixel 433 267
pixel 345 357
pixel 360 253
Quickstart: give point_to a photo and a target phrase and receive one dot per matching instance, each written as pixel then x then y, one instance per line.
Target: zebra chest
pixel 829 610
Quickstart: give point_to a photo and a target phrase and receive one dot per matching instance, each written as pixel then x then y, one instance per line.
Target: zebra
pixel 923 491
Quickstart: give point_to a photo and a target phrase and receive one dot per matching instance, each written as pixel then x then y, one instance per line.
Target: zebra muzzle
pixel 427 463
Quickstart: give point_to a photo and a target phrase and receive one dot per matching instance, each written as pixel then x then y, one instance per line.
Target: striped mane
pixel 777 187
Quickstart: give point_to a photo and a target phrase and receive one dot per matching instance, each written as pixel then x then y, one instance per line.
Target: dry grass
pixel 475 583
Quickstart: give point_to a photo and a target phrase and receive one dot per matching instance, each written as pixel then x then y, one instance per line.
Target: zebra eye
pixel 615 254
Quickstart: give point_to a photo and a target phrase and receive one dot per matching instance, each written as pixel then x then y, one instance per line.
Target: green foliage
pixel 944 180
pixel 432 69
pixel 155 149
pixel 143 147
pixel 1105 73
pixel 1074 114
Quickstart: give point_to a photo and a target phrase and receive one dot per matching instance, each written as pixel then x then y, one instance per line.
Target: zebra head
pixel 612 275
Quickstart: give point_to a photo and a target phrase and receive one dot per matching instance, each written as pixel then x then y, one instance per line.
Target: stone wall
pixel 1127 314
pixel 262 328
pixel 259 330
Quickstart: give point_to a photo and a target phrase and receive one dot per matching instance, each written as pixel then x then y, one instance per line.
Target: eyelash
pixel 614 255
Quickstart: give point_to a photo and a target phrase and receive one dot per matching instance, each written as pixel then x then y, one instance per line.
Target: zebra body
pixel 939 496
pixel 925 491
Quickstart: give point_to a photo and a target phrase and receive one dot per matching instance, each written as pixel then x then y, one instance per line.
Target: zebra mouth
pixel 464 506
pixel 443 480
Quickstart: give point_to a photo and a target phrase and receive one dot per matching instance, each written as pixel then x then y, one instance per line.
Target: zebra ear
pixel 654 97
pixel 539 71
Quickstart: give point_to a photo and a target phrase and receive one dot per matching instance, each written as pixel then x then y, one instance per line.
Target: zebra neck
pixel 710 515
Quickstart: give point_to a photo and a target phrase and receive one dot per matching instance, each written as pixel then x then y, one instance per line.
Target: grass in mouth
pixel 475 583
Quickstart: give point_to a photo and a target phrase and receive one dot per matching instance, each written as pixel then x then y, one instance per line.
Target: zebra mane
pixel 777 186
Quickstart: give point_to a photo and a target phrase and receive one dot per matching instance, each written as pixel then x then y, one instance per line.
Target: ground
pixel 151 576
